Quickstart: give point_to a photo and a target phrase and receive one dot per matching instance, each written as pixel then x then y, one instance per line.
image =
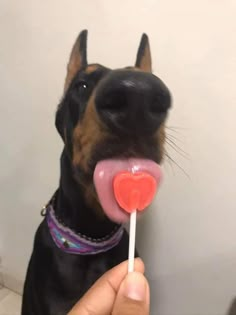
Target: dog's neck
pixel 71 209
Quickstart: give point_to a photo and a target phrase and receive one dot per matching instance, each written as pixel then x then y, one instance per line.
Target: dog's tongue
pixel 104 175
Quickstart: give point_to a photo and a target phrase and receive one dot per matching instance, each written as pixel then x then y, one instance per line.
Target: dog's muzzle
pixel 132 102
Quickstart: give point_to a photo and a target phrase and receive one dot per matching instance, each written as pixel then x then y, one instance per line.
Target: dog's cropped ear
pixel 78 58
pixel 144 60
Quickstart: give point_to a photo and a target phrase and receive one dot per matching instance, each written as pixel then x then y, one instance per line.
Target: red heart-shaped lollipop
pixel 134 190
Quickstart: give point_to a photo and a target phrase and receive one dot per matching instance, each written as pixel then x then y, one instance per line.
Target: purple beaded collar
pixel 74 243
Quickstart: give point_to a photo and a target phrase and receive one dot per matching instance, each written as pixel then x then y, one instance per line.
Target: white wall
pixel 188 239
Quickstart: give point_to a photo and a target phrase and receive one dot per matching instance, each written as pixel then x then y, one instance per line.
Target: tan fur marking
pixel 91 69
pixel 146 62
pixel 74 64
pixel 86 134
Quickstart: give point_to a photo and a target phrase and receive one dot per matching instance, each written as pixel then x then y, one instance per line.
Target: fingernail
pixel 135 286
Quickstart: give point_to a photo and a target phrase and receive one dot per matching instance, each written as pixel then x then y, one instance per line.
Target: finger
pixel 100 298
pixel 133 297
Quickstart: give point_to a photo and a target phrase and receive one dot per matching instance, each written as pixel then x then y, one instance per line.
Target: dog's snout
pixel 132 101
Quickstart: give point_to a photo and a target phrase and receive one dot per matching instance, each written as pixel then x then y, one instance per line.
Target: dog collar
pixel 75 243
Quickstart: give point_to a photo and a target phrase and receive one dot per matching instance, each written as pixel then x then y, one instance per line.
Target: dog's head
pixel 110 114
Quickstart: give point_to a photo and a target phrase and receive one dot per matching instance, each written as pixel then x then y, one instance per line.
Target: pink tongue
pixel 104 174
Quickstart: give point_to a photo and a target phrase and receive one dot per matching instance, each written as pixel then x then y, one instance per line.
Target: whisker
pixel 170 164
pixel 177 148
pixel 173 137
pixel 173 161
pixel 184 155
pixel 174 128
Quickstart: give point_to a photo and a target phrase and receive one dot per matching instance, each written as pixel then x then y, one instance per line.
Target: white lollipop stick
pixel 132 232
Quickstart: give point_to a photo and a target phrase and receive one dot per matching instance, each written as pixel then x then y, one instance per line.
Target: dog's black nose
pixel 132 102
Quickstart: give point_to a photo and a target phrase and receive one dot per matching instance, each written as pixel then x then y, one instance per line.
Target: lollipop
pixel 125 187
pixel 133 192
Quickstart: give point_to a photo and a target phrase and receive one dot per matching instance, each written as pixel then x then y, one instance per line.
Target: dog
pixel 105 116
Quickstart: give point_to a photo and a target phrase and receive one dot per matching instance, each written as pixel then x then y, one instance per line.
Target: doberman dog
pixel 104 115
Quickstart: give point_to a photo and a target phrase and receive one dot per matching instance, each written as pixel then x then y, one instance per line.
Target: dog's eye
pixel 82 86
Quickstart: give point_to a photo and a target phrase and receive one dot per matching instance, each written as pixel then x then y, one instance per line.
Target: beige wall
pixel 188 239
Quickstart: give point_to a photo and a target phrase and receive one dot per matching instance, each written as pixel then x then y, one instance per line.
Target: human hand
pixel 117 293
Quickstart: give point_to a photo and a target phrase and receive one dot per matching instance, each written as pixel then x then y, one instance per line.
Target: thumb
pixel 100 299
pixel 133 297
